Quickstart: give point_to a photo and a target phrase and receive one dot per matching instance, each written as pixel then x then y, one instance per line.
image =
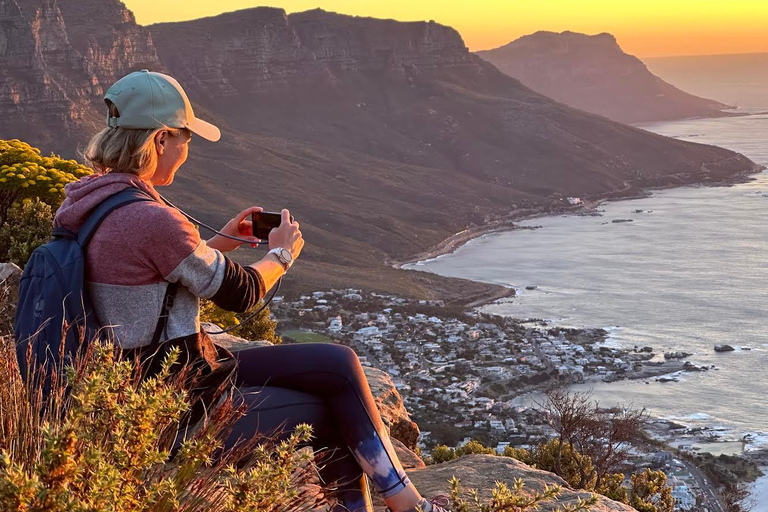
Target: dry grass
pixel 106 439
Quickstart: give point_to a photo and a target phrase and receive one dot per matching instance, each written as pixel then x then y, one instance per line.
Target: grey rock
pixel 481 472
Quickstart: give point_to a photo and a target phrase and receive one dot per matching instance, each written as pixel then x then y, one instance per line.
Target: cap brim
pixel 205 130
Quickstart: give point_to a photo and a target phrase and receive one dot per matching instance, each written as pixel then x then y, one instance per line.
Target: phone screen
pixel 263 223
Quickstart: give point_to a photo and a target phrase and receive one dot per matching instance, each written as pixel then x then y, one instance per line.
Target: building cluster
pixel 458 372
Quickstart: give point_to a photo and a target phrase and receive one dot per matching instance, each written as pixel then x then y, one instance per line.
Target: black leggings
pixel 321 384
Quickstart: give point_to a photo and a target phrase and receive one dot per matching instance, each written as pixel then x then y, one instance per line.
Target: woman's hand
pixel 287 235
pixel 240 227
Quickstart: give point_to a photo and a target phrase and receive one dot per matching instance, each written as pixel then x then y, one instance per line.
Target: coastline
pixel 588 207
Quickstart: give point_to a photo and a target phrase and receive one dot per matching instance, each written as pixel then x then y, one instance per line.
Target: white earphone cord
pixel 243 240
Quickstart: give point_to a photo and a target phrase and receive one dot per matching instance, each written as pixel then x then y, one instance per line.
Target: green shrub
pixel 504 499
pixel 442 453
pixel 260 328
pixel 563 460
pixel 28 226
pixel 650 492
pixel 106 445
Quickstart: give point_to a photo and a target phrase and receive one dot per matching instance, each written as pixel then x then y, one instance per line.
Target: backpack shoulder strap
pixel 165 311
pixel 112 203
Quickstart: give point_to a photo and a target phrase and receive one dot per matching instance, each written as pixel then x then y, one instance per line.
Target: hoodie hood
pixel 86 194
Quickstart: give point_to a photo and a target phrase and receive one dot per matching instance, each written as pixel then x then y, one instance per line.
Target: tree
pixel 24 173
pixel 570 415
pixel 650 492
pixel 603 435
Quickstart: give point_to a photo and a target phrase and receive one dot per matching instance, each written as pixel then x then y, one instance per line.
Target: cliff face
pixel 383 137
pixel 57 57
pixel 592 73
pixel 29 93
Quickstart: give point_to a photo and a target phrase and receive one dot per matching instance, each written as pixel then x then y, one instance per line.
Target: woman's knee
pixel 341 359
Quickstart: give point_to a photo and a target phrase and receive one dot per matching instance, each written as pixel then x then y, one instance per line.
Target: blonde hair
pixel 127 150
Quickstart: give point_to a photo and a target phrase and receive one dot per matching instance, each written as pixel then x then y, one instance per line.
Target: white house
pixel 336 324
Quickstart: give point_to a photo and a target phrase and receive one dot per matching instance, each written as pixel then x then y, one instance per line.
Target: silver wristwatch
pixel 284 256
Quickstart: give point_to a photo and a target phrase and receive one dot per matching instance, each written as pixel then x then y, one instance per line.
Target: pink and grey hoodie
pixel 139 249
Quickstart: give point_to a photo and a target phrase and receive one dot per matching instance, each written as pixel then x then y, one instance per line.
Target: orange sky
pixel 646 28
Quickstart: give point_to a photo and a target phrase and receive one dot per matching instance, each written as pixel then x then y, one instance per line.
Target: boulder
pixel 231 342
pixel 391 407
pixel 676 355
pixel 724 348
pixel 10 272
pixel 481 472
pixel 408 458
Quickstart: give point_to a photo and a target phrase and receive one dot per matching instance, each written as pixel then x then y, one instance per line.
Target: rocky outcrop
pixel 391 407
pixel 263 49
pixel 592 73
pixel 230 341
pixel 481 472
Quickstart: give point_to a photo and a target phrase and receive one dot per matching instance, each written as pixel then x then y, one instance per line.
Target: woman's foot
pixel 436 504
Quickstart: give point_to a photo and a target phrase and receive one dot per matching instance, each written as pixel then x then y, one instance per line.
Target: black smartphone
pixel 264 222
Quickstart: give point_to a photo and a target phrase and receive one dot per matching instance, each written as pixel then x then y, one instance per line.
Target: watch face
pixel 286 255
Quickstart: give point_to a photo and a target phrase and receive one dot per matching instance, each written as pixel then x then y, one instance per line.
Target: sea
pixel 690 271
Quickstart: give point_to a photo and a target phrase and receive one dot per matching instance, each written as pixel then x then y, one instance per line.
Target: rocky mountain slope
pixel 592 73
pixel 383 137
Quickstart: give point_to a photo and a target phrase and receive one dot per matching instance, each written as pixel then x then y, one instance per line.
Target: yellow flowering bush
pixel 25 173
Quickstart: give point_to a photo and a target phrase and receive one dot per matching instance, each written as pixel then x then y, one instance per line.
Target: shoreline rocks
pixel 724 348
pixel 676 355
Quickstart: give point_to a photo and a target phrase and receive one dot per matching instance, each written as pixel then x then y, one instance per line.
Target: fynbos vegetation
pixel 31 187
pixel 105 439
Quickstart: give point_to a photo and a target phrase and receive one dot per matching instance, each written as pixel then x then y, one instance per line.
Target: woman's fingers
pixel 248 211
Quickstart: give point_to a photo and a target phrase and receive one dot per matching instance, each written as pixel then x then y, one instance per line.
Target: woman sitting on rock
pixel 142 248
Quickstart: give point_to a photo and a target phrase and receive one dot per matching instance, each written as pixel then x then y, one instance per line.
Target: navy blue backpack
pixel 54 318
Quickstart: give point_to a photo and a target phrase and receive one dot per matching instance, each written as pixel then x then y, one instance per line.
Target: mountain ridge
pixel 593 73
pixel 383 137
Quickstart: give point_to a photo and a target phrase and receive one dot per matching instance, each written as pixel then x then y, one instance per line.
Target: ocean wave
pixel 755 441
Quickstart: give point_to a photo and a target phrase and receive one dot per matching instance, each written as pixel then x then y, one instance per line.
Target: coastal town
pixel 460 372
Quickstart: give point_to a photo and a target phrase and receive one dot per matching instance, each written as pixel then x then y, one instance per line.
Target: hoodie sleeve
pixel 173 246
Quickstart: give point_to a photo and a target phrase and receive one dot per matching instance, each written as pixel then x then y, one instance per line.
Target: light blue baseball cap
pixel 147 99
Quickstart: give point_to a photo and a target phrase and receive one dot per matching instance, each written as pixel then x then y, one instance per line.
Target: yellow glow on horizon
pixel 646 28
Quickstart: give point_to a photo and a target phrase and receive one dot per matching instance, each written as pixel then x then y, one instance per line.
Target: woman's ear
pixel 160 139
